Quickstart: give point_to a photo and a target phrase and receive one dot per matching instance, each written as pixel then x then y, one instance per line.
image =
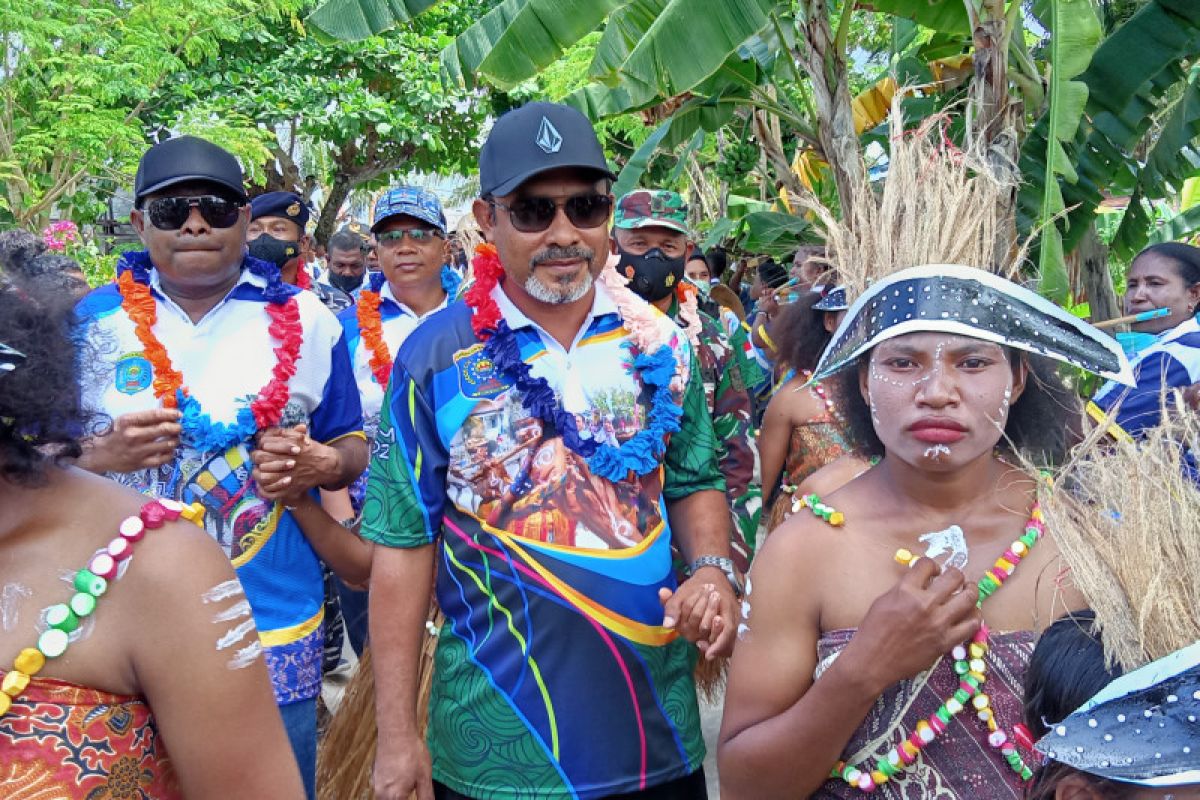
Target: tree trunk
pixel 825 64
pixel 1095 281
pixel 338 192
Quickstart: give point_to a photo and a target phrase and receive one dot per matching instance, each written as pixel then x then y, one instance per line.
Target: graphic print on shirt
pixel 133 373
pixel 506 470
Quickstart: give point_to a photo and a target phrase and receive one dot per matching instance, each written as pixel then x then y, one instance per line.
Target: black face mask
pixel 277 251
pixel 347 283
pixel 652 275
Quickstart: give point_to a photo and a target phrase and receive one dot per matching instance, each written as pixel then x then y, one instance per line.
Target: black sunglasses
pixel 169 213
pixel 534 214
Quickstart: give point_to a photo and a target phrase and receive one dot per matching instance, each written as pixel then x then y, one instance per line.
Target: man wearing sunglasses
pixel 650 236
pixel 565 666
pixel 193 309
pixel 276 234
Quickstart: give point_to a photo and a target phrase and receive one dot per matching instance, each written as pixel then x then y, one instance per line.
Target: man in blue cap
pixel 227 387
pixel 277 234
pixel 565 667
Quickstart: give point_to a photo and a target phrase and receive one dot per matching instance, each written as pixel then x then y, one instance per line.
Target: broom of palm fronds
pixel 346 756
pixel 1126 517
pixel 938 205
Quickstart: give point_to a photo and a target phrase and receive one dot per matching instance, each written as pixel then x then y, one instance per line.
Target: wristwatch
pixel 726 566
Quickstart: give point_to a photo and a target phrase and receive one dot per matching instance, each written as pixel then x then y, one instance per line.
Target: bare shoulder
pixel 834 475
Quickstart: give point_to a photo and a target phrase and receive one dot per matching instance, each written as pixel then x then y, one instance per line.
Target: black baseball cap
pixel 187 158
pixel 536 138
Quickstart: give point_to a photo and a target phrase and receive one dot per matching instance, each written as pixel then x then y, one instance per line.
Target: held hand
pixel 704 611
pixel 288 462
pixel 768 303
pixel 920 619
pixel 139 440
pixel 403 770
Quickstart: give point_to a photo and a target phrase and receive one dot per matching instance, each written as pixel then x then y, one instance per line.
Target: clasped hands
pixel 287 463
pixel 704 610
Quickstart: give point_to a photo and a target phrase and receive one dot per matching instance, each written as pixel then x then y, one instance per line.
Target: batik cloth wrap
pixel 553 676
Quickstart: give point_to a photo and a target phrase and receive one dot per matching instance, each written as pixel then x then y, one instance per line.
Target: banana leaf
pixel 354 20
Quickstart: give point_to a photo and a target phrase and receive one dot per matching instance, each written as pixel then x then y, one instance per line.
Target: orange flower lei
pixel 267 408
pixel 370 325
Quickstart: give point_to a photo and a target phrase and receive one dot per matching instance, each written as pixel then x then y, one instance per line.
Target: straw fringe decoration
pixel 1127 520
pixel 938 205
pixel 346 756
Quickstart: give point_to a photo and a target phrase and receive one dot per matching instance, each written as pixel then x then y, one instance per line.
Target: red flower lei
pixel 488 271
pixel 303 279
pixel 370 325
pixel 285 326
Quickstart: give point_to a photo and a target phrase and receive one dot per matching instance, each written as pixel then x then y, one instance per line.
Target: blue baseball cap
pixel 536 138
pixel 409 201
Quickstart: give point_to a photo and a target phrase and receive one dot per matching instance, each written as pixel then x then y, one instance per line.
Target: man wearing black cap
pixel 227 387
pixel 565 666
pixel 276 234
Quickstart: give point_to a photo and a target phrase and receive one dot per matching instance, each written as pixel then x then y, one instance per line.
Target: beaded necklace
pixel 265 410
pixel 819 390
pixel 654 365
pixel 90 583
pixel 971 668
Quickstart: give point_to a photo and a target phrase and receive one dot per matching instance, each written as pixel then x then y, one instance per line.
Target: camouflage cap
pixel 649 208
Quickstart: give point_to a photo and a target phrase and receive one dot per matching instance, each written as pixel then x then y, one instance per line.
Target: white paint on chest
pixel 10 597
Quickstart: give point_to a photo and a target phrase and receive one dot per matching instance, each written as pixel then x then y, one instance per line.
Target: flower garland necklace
pixel 370 321
pixel 90 584
pixel 654 364
pixel 971 669
pixel 265 410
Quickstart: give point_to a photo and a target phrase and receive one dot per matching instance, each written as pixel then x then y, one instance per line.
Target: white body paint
pixel 949 541
pixel 12 594
pixel 744 627
pixel 236 611
pixel 239 610
pixel 936 452
pixel 236 634
pixel 223 591
pixel 245 656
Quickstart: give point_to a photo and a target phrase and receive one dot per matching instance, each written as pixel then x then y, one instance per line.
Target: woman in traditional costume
pixel 802 430
pixel 855 673
pixel 1113 694
pixel 122 625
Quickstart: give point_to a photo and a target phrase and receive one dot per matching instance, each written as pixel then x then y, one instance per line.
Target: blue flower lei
pixel 643 453
pixel 199 431
pixel 451 282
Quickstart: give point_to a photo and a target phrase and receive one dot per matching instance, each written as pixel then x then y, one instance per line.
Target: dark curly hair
pixel 1042 424
pixel 40 413
pixel 1066 669
pixel 799 333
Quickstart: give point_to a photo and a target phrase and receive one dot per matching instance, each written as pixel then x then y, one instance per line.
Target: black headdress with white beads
pixel 832 299
pixel 10 359
pixel 1142 728
pixel 954 299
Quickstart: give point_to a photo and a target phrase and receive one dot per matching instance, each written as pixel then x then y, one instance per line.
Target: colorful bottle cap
pixel 61 616
pixel 53 643
pixel 133 529
pixel 30 661
pixel 153 514
pixel 5 704
pixel 119 548
pixel 90 582
pixel 83 604
pixel 195 513
pixel 104 566
pixel 14 683
pixel 173 508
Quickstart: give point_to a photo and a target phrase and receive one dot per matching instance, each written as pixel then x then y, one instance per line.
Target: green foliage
pixel 74 83
pixel 359 19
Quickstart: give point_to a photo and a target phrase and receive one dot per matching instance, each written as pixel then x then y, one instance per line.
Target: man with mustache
pixel 565 667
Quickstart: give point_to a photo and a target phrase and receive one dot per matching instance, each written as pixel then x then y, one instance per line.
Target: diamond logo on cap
pixel 548 137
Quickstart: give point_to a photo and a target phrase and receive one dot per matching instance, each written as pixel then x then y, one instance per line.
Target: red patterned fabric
pixel 959 764
pixel 61 740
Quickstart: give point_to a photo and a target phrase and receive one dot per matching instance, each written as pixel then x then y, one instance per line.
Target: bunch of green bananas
pixel 739 159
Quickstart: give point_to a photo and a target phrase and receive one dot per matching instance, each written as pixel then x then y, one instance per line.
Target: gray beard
pixel 557 295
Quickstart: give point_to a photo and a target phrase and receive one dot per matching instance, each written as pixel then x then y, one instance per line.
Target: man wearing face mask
pixel 650 236
pixel 276 234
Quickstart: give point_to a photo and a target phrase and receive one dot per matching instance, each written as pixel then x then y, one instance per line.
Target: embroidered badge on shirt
pixel 133 374
pixel 477 378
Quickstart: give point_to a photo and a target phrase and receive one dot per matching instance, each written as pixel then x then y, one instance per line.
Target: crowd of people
pixel 611 480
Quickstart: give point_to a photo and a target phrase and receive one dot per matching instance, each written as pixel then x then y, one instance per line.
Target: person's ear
pixel 137 218
pixel 1077 786
pixel 485 216
pixel 1020 379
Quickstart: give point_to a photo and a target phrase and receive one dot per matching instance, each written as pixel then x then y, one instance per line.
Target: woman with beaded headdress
pixel 122 626
pixel 855 673
pixel 1113 692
